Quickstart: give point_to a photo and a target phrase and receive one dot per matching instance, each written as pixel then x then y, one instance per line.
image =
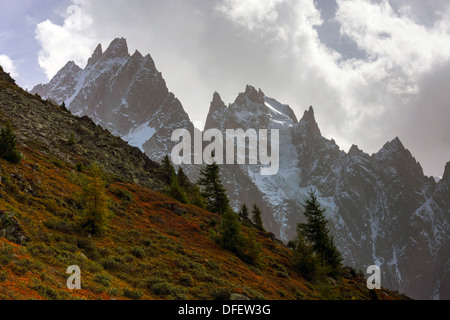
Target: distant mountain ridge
pixel 382 209
pixel 123 93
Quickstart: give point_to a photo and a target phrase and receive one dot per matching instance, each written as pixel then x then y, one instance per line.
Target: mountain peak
pixel 252 94
pixel 70 64
pixel 395 153
pixel 149 59
pixel 309 114
pixel 398 143
pixel 217 106
pixel 96 55
pixel 354 151
pixel 117 49
pixel 394 146
pixel 446 176
pixel 217 101
pixel 69 68
pixel 309 121
pixel 250 89
pixel 137 54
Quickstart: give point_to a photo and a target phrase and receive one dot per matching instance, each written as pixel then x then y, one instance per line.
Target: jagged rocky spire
pixel 96 55
pixel 217 104
pixel 446 176
pixel 355 151
pixel 216 109
pixel 252 94
pixel 308 121
pixel 117 49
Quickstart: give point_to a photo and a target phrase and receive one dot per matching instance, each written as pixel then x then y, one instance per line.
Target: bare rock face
pixel 217 107
pixel 123 93
pixel 382 209
pixel 62 85
pixel 46 127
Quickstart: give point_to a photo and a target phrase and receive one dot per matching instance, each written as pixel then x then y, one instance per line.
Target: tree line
pixel 314 250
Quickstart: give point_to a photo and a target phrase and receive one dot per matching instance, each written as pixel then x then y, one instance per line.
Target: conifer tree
pixel 95 202
pixel 315 232
pixel 176 192
pixel 332 256
pixel 230 231
pixel 8 148
pixel 257 220
pixel 197 198
pixel 63 106
pixel 170 177
pixel 251 250
pixel 244 214
pixel 167 170
pixel 183 180
pixel 212 189
pixel 304 259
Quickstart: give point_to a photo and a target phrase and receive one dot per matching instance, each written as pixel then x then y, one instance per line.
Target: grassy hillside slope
pixel 154 247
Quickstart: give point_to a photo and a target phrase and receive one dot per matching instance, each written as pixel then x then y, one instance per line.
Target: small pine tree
pixel 63 106
pixel 197 198
pixel 333 256
pixel 317 234
pixel 230 231
pixel 257 220
pixel 183 180
pixel 95 202
pixel 167 170
pixel 251 249
pixel 231 238
pixel 8 145
pixel 176 192
pixel 245 214
pixel 304 259
pixel 212 189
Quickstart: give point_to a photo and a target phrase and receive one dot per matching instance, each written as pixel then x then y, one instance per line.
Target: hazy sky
pixel 372 70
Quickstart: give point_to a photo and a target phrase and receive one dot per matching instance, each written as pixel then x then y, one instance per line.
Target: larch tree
pixel 95 201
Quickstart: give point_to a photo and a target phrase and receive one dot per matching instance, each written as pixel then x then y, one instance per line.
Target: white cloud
pixel 404 48
pixel 8 65
pixel 362 101
pixel 74 40
pixel 256 15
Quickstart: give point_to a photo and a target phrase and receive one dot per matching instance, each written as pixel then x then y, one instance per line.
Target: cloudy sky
pixel 372 69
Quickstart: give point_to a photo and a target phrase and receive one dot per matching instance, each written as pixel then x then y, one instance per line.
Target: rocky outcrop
pixel 123 93
pixel 382 209
pixel 48 128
